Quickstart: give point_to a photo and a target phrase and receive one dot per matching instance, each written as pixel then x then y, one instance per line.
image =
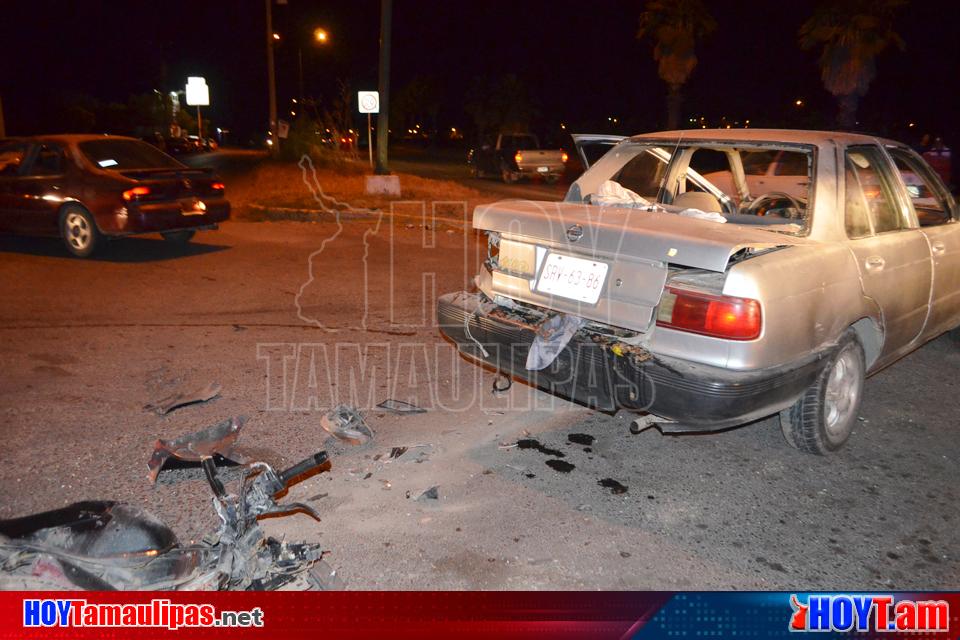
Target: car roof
pixel 790 136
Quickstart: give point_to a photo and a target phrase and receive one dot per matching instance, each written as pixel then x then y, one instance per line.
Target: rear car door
pixel 892 255
pixel 937 214
pixel 40 185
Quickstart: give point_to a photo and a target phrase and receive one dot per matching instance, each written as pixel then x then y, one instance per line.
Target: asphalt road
pixel 292 318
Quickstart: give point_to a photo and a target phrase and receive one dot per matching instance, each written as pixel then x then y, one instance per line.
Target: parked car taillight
pixel 518 157
pixel 710 315
pixel 136 193
pixel 218 186
pixel 563 156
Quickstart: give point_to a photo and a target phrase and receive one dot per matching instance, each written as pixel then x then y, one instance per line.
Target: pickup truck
pixel 517 155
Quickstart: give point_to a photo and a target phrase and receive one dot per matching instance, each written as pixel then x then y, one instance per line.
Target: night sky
pixel 580 60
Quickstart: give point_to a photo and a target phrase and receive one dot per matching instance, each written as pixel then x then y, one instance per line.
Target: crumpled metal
pixel 553 336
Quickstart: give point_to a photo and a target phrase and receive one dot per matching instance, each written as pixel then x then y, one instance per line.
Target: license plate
pixel 573 278
pixel 543 169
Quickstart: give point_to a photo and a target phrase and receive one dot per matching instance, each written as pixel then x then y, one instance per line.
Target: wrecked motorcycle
pixel 104 545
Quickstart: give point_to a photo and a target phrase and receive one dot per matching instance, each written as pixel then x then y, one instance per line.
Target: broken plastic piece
pixel 433 493
pixel 345 423
pixel 179 399
pixel 553 336
pixel 399 406
pixel 219 439
pixel 396 452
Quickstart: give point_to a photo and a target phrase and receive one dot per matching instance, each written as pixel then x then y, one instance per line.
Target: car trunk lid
pixel 638 246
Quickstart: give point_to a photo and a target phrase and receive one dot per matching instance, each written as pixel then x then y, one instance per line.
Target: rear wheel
pixel 507 175
pixel 79 231
pixel 822 420
pixel 179 237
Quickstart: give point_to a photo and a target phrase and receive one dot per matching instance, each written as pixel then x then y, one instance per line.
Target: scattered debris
pixel 387 485
pixel 104 545
pixel 614 486
pixel 561 466
pixel 581 438
pixel 433 493
pixel 399 407
pixel 531 443
pixel 345 423
pixel 530 475
pixel 318 496
pixel 220 439
pixel 396 452
pixel 501 384
pixel 179 399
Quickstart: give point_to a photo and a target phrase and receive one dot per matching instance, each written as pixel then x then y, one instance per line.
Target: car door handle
pixel 938 248
pixel 874 264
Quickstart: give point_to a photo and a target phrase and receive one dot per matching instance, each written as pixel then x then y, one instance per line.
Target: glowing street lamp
pixel 321 36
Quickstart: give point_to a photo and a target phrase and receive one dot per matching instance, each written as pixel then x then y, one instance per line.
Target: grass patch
pixel 281 184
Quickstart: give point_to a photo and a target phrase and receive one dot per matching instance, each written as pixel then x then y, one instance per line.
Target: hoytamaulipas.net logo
pixel 875 613
pixel 60 612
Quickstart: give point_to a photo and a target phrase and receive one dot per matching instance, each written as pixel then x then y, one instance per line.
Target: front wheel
pixel 179 237
pixel 79 231
pixel 822 420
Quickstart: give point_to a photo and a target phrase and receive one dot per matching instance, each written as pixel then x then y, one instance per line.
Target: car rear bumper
pixel 697 397
pixel 534 170
pixel 149 218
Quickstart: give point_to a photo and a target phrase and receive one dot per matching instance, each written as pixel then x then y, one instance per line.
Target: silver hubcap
pixel 78 231
pixel 843 388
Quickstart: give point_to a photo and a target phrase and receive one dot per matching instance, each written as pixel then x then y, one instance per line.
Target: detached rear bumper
pixel 697 397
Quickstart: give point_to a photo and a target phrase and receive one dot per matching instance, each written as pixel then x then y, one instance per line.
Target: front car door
pixel 936 211
pixel 13 155
pixel 893 256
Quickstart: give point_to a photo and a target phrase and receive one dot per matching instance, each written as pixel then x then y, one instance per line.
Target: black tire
pixel 823 418
pixel 79 231
pixel 179 237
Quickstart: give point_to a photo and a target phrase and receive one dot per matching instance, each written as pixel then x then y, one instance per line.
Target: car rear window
pixel 119 155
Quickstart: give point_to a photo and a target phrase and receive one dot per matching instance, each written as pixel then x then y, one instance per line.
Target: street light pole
pixel 383 125
pixel 272 81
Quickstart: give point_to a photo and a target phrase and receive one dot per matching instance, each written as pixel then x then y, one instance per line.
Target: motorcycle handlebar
pixel 313 462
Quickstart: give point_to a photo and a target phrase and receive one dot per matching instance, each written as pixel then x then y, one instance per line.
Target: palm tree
pixel 852 33
pixel 675 26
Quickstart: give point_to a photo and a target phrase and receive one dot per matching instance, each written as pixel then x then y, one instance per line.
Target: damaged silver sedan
pixel 712 278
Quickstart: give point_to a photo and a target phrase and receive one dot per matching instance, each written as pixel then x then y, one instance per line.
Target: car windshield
pixel 120 155
pixel 766 184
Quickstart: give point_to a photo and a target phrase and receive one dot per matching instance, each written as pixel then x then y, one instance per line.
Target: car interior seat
pixel 698 200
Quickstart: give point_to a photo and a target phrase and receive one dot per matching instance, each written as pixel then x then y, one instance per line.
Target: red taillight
pixel 219 186
pixel 563 156
pixel 136 193
pixel 710 315
pixel 518 157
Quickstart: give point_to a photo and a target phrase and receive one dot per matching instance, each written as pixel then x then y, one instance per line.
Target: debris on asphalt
pixel 501 384
pixel 106 545
pixel 433 493
pixel 642 423
pixel 396 452
pixel 532 443
pixel 345 423
pixel 181 398
pixel 399 407
pixel 220 439
pixel 581 438
pixel 614 486
pixel 561 466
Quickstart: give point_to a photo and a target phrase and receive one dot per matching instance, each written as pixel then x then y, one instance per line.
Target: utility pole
pixel 272 80
pixel 383 125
